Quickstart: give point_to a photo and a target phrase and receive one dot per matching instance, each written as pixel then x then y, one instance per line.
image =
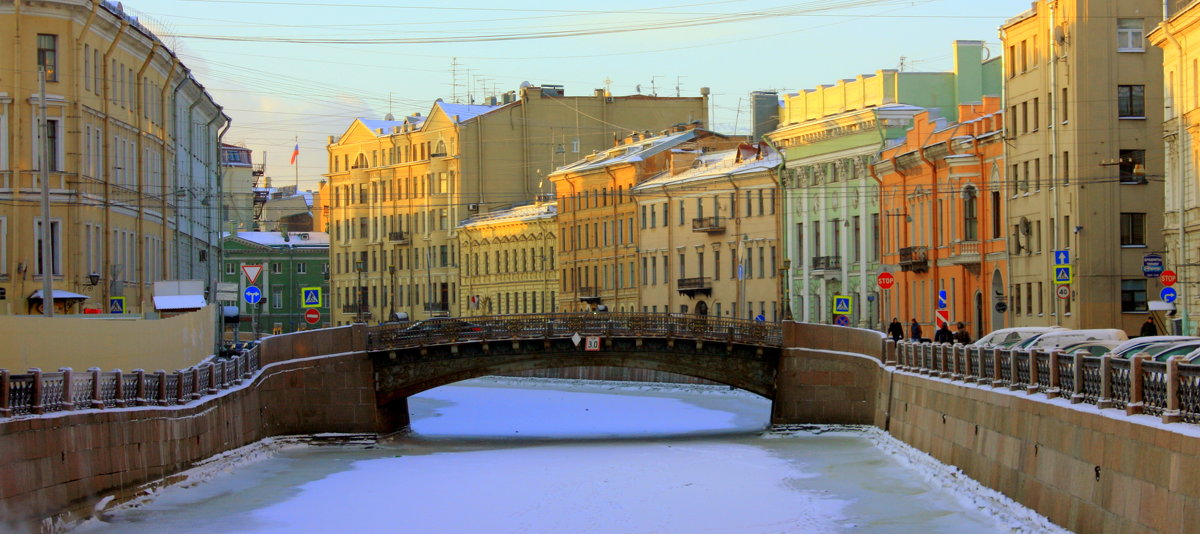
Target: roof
pixel 59 295
pixel 179 302
pixel 465 112
pixel 527 212
pixel 376 124
pixel 275 239
pixel 629 153
pixel 723 163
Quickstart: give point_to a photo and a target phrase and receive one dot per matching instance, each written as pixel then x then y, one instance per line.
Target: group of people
pixel 942 335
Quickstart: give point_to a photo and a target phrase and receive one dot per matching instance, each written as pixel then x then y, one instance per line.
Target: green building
pixel 829 137
pixel 293 278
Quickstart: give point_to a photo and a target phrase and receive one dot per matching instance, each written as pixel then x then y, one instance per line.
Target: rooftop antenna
pixel 654 88
pixel 903 59
pixel 454 79
pixel 607 86
pixel 678 82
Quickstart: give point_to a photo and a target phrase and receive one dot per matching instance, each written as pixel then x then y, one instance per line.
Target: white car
pixel 1057 339
pixel 1133 346
pixel 1007 337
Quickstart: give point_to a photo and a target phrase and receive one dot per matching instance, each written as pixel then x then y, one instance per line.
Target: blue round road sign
pixel 252 295
pixel 842 320
pixel 1168 294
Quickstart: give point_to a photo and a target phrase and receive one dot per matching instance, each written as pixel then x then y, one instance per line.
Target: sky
pixel 296 72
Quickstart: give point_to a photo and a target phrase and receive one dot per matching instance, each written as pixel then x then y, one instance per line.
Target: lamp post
pixel 787 289
pixel 361 267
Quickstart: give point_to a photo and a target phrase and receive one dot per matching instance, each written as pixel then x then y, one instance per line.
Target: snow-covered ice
pixel 535 455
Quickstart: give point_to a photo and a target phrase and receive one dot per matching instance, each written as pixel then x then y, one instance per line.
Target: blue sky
pixel 258 60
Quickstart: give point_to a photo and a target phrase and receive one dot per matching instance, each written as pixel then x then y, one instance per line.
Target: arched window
pixel 970 214
pixel 360 162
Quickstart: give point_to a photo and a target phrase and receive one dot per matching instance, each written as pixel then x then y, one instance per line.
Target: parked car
pixel 1091 348
pixel 1128 348
pixel 451 326
pixel 1057 339
pixel 1162 354
pixel 1007 337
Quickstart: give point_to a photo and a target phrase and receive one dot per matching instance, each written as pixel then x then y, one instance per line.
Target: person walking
pixel 896 330
pixel 943 334
pixel 914 331
pixel 962 336
pixel 1148 328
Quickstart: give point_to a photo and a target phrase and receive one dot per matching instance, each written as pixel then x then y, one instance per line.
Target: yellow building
pixel 707 235
pixel 1083 136
pixel 508 261
pixel 1179 39
pixel 398 188
pixel 133 160
pixel 599 250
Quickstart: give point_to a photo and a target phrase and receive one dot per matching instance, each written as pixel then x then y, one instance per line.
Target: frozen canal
pixel 513 456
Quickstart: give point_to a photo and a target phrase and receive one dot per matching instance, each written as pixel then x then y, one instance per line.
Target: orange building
pixel 943 229
pixel 598 243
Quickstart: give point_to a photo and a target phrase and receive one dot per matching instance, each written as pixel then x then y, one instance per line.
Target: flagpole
pixel 297 165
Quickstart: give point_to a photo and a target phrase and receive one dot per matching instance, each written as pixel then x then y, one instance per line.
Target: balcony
pixel 712 225
pixel 356 308
pixel 915 259
pixel 434 307
pixel 399 238
pixel 589 294
pixel 692 286
pixel 962 253
pixel 827 263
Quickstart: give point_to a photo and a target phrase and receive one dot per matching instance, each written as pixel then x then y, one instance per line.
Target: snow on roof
pixel 527 212
pixel 375 125
pixel 465 112
pixel 716 164
pixel 59 294
pixel 629 153
pixel 179 302
pixel 275 239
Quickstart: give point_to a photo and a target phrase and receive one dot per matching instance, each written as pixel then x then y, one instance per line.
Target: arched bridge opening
pixel 410 359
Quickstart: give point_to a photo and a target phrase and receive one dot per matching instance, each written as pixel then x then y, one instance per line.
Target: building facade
pixel 943 211
pixel 1085 161
pixel 239 177
pixel 292 263
pixel 508 261
pixel 398 189
pixel 132 160
pixel 1179 39
pixel 830 136
pixel 711 222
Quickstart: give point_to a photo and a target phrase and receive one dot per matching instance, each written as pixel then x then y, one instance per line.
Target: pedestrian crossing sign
pixel 842 305
pixel 116 305
pixel 310 297
pixel 1062 274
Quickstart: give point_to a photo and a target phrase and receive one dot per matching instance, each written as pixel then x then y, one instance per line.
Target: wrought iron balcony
pixel 691 286
pixel 915 259
pixel 356 308
pixel 400 238
pixel 708 224
pixel 437 306
pixel 589 294
pixel 826 263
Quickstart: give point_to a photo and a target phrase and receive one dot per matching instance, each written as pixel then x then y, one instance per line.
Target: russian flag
pixel 295 153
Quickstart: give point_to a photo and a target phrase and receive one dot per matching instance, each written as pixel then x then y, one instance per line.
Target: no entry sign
pixel 312 315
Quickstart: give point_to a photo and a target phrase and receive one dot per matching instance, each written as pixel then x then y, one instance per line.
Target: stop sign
pixel 885 280
pixel 1167 278
pixel 312 315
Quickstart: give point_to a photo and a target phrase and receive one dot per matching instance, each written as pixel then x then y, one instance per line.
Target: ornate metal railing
pixel 825 263
pixel 1138 385
pixel 36 392
pixel 566 325
pixel 914 259
pixel 708 224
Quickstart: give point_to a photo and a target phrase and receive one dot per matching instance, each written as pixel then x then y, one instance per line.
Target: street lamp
pixel 784 273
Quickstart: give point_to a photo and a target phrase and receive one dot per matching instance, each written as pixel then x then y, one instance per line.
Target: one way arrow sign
pixel 1062 257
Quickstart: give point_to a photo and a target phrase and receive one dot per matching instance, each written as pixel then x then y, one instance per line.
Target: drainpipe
pixel 175 136
pixel 935 234
pixel 979 329
pixel 883 224
pixel 903 237
pixel 739 250
pixel 1054 152
pixel 163 171
pixel 107 148
pixel 215 263
pixel 616 246
pixel 140 107
pixel 1180 166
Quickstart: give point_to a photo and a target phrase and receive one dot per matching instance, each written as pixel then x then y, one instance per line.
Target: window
pixel 1131 101
pixel 55 246
pixel 1130 36
pixel 47 55
pixel 1133 229
pixel 1133 295
pixel 970 214
pixel 1133 166
pixel 301 268
pixel 54 139
pixel 276 268
pixel 230 268
pixel 277 298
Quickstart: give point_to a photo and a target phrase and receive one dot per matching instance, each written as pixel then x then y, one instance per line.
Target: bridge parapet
pixel 566 325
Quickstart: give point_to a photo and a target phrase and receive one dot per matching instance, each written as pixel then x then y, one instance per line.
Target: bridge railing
pixel 36 392
pixel 566 325
pixel 1138 385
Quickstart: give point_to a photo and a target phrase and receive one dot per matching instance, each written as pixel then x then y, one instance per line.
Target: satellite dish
pixel 1060 35
pixel 526 84
pixel 389 117
pixel 639 88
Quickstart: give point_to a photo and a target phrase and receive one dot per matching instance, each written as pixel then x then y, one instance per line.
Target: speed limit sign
pixel 1063 292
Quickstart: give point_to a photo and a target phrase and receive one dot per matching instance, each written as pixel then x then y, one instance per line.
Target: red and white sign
pixel 312 315
pixel 252 272
pixel 885 280
pixel 943 317
pixel 1063 291
pixel 1168 278
pixel 592 343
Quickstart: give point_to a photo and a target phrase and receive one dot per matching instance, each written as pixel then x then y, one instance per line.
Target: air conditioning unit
pixel 609 99
pixel 472 207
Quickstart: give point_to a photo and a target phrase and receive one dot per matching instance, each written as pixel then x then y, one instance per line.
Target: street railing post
pixel 1105 400
pixel 1077 379
pixel 35 402
pixel 97 397
pixel 5 394
pixel 1034 376
pixel 1136 385
pixel 68 392
pixel 1172 414
pixel 1053 389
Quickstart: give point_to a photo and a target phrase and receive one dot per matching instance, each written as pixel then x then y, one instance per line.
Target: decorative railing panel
pixel 1154 387
pixel 1120 382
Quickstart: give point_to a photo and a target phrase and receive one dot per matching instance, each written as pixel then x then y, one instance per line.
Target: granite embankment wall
pixel 60 464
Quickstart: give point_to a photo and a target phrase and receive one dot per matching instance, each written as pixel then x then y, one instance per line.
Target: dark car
pixel 443 326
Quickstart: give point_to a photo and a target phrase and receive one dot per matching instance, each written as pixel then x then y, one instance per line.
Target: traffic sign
pixel 312 315
pixel 1063 292
pixel 842 320
pixel 116 305
pixel 1062 257
pixel 252 295
pixel 885 280
pixel 942 299
pixel 1168 294
pixel 1168 278
pixel 252 272
pixel 592 343
pixel 310 297
pixel 943 317
pixel 842 305
pixel 1152 265
pixel 1001 307
pixel 760 318
pixel 1062 274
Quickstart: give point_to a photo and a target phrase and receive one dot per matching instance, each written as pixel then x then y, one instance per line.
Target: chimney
pixel 682 161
